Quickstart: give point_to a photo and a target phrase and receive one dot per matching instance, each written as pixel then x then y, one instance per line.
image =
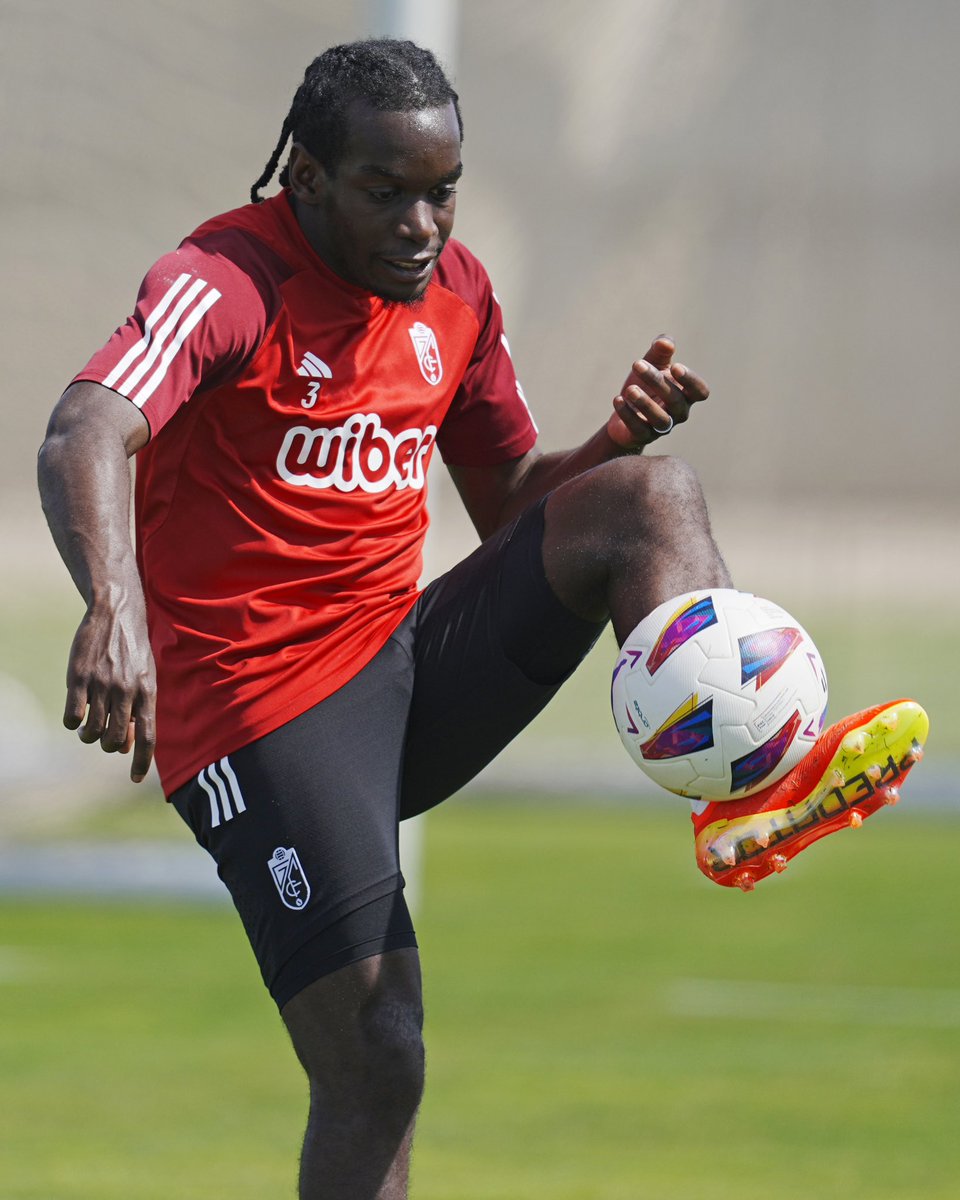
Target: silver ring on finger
pixel 665 430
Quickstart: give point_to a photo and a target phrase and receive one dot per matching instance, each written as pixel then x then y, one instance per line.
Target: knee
pixel 388 1041
pixel 358 1035
pixel 379 1050
pixel 651 485
pixel 657 498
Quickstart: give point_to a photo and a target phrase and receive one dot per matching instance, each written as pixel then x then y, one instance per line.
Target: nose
pixel 418 222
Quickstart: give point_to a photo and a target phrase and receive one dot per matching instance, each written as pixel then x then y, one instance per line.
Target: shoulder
pixel 193 280
pixel 243 244
pixel 223 265
pixel 461 272
pixel 255 237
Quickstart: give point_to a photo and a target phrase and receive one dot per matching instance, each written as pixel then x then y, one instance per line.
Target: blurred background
pixel 775 185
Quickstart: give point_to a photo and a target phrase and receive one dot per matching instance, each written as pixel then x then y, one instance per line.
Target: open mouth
pixel 413 270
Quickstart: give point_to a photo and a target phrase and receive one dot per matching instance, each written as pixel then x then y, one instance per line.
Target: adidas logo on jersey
pixel 314 367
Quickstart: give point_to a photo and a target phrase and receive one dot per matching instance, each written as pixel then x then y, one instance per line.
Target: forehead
pixel 401 141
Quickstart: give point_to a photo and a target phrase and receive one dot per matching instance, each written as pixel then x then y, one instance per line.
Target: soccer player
pixel 283 381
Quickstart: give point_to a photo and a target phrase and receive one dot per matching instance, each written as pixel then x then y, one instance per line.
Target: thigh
pixel 302 824
pixel 493 645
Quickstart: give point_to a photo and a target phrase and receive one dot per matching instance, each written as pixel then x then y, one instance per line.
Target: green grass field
pixel 871 656
pixel 603 1024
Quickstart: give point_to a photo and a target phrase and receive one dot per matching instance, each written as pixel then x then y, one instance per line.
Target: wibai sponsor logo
pixel 360 453
pixel 289 877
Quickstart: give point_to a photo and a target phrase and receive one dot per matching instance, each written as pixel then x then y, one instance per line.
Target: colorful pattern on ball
pixel 686 731
pixel 763 654
pixel 685 624
pixel 718 693
pixel 751 770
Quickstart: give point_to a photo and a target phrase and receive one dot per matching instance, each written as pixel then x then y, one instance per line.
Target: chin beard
pixel 413 303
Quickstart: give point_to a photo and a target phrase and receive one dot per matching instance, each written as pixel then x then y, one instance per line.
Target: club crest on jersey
pixel 428 352
pixel 289 877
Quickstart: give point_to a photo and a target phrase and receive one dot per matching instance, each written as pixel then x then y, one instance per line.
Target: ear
pixel 308 179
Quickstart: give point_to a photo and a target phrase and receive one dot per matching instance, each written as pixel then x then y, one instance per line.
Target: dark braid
pixel 389 75
pixel 271 166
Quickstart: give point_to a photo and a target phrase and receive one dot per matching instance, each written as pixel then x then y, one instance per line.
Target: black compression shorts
pixel 303 822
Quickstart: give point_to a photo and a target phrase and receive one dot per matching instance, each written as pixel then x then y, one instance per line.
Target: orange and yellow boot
pixel 855 768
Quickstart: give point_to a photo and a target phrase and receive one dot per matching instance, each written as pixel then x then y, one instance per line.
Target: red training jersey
pixel 280 503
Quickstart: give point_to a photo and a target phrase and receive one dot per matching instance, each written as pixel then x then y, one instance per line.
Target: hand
pixel 657 394
pixel 111 679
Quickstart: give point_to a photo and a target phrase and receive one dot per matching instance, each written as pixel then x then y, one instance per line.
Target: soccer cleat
pixel 855 768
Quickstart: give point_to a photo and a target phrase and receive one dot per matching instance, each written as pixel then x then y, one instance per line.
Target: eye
pixel 443 193
pixel 381 195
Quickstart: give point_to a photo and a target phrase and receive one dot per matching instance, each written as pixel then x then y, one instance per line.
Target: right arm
pixel 84 478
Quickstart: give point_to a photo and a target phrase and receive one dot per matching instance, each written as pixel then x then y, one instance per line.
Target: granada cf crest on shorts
pixel 428 353
pixel 289 877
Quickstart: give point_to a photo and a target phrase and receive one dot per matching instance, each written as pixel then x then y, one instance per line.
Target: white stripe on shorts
pixel 227 800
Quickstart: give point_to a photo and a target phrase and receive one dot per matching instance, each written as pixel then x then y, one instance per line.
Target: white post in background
pixel 433 24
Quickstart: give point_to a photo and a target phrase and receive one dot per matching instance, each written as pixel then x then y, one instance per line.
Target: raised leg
pixel 628 535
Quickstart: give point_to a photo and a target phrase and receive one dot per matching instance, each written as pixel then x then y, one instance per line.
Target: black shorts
pixel 303 822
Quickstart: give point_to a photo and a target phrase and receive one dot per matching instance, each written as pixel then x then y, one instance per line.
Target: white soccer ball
pixel 718 693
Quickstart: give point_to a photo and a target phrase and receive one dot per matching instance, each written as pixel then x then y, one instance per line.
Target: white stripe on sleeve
pixel 189 323
pixel 135 351
pixel 156 347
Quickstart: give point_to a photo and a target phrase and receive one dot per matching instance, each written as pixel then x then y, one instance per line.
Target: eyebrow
pixel 383 173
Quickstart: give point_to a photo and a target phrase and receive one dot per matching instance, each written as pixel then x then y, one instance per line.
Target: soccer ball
pixel 718 693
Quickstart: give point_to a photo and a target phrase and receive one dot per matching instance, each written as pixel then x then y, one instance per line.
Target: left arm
pixel 656 394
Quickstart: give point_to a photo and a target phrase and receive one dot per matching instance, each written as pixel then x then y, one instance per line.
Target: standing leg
pixel 628 535
pixel 357 1034
pixel 330 930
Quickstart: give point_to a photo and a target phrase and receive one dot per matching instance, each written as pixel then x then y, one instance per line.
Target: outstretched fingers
pixel 143 740
pixel 111 692
pixel 657 394
pixel 119 722
pixel 661 352
pixel 643 401
pixel 694 389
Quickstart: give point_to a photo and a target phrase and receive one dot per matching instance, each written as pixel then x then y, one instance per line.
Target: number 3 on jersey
pixel 315 366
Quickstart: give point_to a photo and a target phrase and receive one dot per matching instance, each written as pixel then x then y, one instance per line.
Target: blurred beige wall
pixel 776 184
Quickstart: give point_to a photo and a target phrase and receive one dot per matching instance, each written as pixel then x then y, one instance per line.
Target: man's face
pixel 382 218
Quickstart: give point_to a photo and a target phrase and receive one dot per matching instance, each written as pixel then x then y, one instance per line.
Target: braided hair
pixel 387 74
